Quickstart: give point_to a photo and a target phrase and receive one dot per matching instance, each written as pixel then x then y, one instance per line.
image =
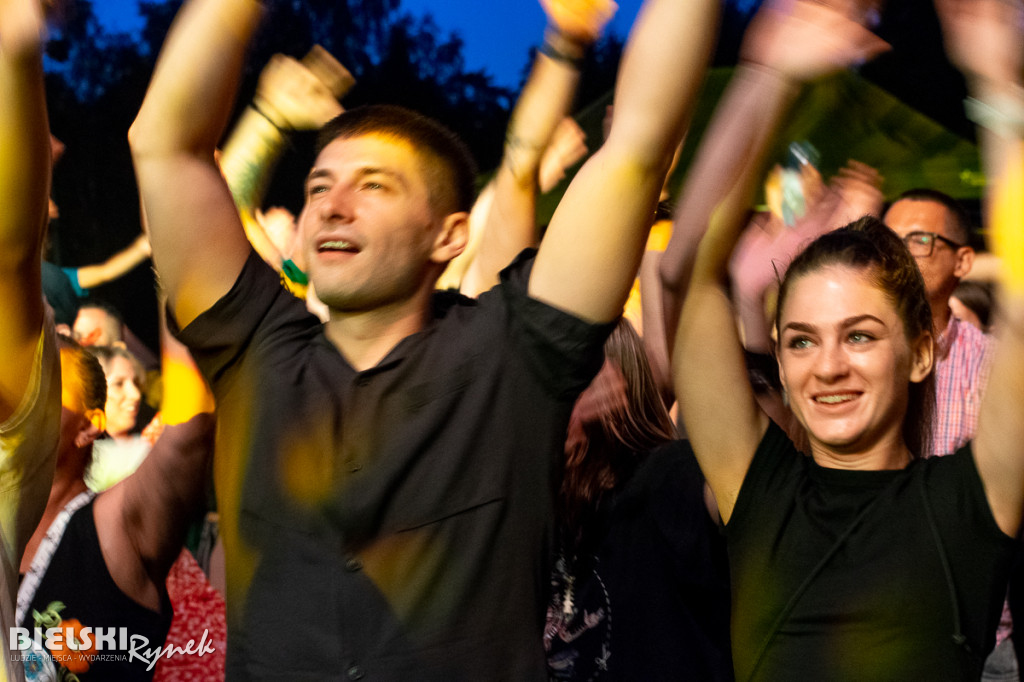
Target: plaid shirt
pixel 961 372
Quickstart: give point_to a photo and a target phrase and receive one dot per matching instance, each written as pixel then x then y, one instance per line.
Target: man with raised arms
pixel 385 479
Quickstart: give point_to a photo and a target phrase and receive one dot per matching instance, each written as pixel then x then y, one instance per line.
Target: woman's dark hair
pixel 867 244
pixel 613 440
pixel 85 369
pixel 978 297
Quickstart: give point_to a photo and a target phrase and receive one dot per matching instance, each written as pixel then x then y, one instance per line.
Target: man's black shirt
pixel 392 523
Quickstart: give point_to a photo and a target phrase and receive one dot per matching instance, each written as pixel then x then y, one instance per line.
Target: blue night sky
pixel 497 35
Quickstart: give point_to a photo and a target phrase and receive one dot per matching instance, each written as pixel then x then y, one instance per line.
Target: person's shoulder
pixel 41 399
pixel 777 461
pixel 776 441
pixel 949 470
pixel 256 306
pixel 28 438
pixel 972 352
pixel 445 301
pixel 669 472
pixel 517 273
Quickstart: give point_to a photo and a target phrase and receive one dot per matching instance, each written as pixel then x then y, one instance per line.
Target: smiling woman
pixel 880 565
pixel 116 457
pixel 862 561
pixel 853 315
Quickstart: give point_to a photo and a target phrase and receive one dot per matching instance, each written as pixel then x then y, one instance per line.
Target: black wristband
pixel 256 107
pixel 561 49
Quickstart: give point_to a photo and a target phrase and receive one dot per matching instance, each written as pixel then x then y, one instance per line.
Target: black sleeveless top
pixel 77 577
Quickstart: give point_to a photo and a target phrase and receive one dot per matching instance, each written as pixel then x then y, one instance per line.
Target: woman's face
pixel 123 396
pixel 845 361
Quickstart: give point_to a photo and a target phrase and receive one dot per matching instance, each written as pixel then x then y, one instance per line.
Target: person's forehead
pixel 913 215
pixel 119 365
pixel 87 321
pixel 833 293
pixel 390 152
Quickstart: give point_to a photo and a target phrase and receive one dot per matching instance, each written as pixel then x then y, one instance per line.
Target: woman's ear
pixel 93 427
pixel 923 358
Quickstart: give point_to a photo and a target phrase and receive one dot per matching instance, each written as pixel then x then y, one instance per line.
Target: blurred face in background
pixel 946 264
pixel 96 327
pixel 123 395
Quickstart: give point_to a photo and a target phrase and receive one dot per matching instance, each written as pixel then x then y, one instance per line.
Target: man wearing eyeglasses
pixel 935 228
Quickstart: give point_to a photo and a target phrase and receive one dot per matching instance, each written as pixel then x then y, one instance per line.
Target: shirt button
pixel 363 381
pixel 353 565
pixel 354 673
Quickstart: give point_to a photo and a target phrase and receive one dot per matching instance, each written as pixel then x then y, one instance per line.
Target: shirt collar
pixel 947 337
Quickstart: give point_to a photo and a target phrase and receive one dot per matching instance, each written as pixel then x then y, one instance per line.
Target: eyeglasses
pixel 921 244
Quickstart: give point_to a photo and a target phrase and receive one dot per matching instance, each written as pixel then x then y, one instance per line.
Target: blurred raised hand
pixel 581 21
pixel 810 39
pixel 984 38
pixel 859 188
pixel 21 27
pixel 304 95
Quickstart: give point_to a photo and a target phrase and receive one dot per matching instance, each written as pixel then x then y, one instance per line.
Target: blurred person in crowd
pixel 309 89
pixel 972 301
pixel 640 588
pixel 503 220
pixel 101 560
pixel 936 229
pixel 122 450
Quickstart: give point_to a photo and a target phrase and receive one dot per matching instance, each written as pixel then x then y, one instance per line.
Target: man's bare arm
pixel 567 147
pixel 573 25
pixel 24 189
pixel 592 249
pixel 118 265
pixel 199 246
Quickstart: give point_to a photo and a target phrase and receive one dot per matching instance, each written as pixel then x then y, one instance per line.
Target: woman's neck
pixel 890 453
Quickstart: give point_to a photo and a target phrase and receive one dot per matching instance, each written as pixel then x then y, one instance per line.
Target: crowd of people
pixel 410 434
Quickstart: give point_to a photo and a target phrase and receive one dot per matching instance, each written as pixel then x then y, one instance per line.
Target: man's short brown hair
pixel 449 167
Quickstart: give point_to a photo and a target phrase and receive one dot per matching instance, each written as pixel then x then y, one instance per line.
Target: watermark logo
pixel 76 647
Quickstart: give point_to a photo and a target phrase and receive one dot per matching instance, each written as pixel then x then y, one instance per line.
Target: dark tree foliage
pixel 96 81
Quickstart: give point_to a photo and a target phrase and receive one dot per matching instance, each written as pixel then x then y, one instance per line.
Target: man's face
pixel 945 266
pixel 93 328
pixel 367 227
